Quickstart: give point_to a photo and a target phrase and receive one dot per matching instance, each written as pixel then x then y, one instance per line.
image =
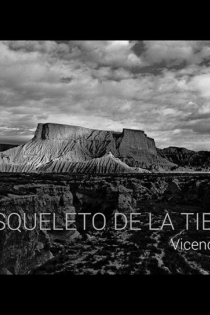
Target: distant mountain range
pixel 66 148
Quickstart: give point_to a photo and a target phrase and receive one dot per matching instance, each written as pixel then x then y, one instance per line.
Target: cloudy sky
pixel 161 87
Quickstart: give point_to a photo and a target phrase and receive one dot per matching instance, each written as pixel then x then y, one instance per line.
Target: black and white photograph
pixel 104 157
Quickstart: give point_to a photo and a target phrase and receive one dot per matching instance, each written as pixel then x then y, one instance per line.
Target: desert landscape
pixel 104 157
pixel 73 170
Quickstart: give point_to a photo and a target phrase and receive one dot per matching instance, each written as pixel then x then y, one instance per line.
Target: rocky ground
pixel 130 252
pixel 108 251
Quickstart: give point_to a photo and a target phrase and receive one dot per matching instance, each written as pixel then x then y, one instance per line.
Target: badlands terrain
pixel 68 170
pixel 107 251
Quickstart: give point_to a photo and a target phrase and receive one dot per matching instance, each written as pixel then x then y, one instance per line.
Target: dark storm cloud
pixel 66 79
pixel 197 116
pixel 176 52
pixel 199 127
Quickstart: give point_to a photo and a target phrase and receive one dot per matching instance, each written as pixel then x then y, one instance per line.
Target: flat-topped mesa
pixel 137 140
pixel 63 145
pixel 50 131
pixel 127 140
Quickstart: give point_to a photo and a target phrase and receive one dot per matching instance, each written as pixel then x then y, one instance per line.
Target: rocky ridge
pixel 104 165
pixel 186 159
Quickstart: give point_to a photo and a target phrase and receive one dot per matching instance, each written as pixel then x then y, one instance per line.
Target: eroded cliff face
pixel 60 144
pixel 60 132
pixel 23 202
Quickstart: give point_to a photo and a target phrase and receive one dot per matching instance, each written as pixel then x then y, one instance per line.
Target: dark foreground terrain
pixel 106 251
